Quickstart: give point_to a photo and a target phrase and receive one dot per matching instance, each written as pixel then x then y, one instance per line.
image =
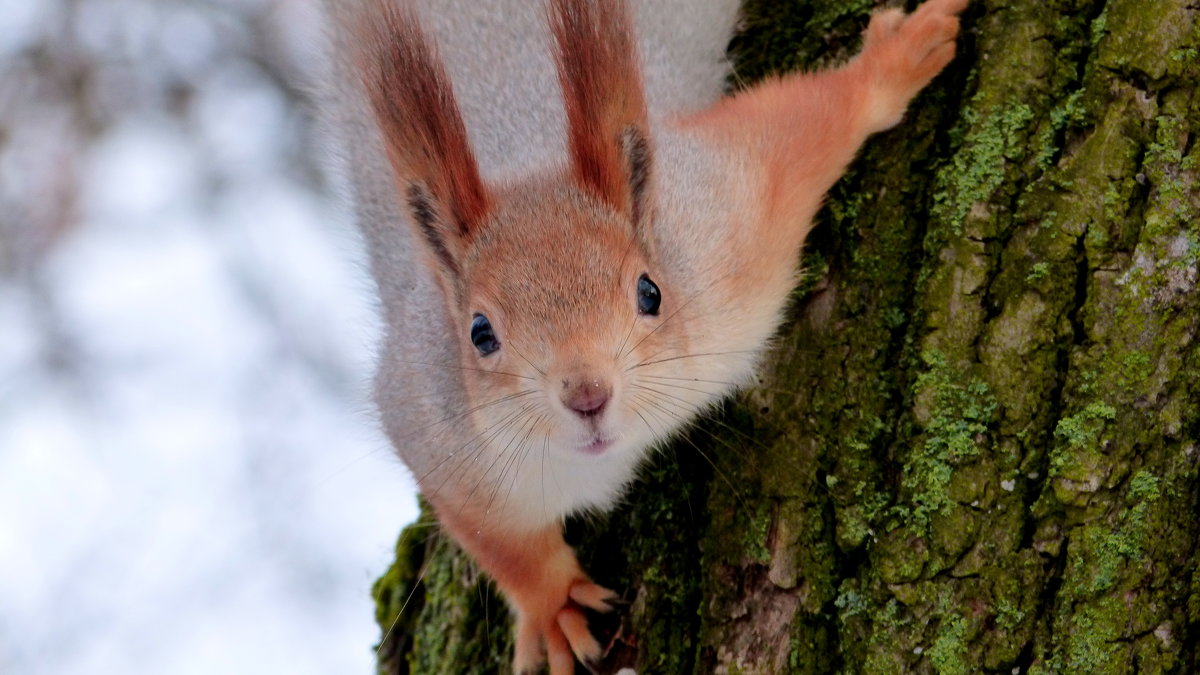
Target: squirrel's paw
pixel 903 52
pixel 556 620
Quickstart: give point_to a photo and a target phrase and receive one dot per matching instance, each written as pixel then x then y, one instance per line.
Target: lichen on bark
pixel 975 448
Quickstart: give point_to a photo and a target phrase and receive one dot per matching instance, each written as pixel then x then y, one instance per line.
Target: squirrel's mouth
pixel 596 445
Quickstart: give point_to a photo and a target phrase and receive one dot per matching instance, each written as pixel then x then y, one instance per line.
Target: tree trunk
pixel 975 448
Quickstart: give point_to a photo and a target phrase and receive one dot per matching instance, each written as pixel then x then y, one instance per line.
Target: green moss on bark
pixel 975 448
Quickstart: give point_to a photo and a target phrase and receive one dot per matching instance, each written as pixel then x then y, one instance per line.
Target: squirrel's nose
pixel 586 396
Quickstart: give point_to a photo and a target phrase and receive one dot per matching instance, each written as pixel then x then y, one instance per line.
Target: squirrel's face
pixel 562 310
pixel 557 305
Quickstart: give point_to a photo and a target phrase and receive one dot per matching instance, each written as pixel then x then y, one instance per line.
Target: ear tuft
pixel 608 132
pixel 422 128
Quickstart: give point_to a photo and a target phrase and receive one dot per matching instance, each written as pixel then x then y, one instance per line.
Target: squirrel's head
pixel 551 284
pixel 561 305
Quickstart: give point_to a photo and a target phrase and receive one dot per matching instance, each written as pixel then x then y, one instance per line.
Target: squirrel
pixel 566 216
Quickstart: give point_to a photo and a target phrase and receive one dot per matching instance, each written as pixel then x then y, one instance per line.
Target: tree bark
pixel 975 448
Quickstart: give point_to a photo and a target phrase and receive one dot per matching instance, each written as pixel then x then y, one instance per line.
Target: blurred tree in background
pixel 187 483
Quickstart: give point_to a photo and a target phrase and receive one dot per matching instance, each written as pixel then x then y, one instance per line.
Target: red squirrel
pixel 563 216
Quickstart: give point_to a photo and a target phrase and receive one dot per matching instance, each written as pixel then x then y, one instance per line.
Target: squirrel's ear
pixel 423 132
pixel 607 128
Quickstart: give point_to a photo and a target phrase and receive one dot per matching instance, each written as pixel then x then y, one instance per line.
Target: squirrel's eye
pixel 482 335
pixel 648 296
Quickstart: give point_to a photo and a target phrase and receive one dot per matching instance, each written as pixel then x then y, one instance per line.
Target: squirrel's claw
pixel 566 638
pixel 574 626
pixel 563 635
pixel 903 52
pixel 593 596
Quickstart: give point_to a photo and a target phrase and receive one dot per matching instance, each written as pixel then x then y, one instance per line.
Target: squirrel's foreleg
pixel 541 579
pixel 805 129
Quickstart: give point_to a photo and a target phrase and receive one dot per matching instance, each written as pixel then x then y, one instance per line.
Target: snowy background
pixel 191 480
